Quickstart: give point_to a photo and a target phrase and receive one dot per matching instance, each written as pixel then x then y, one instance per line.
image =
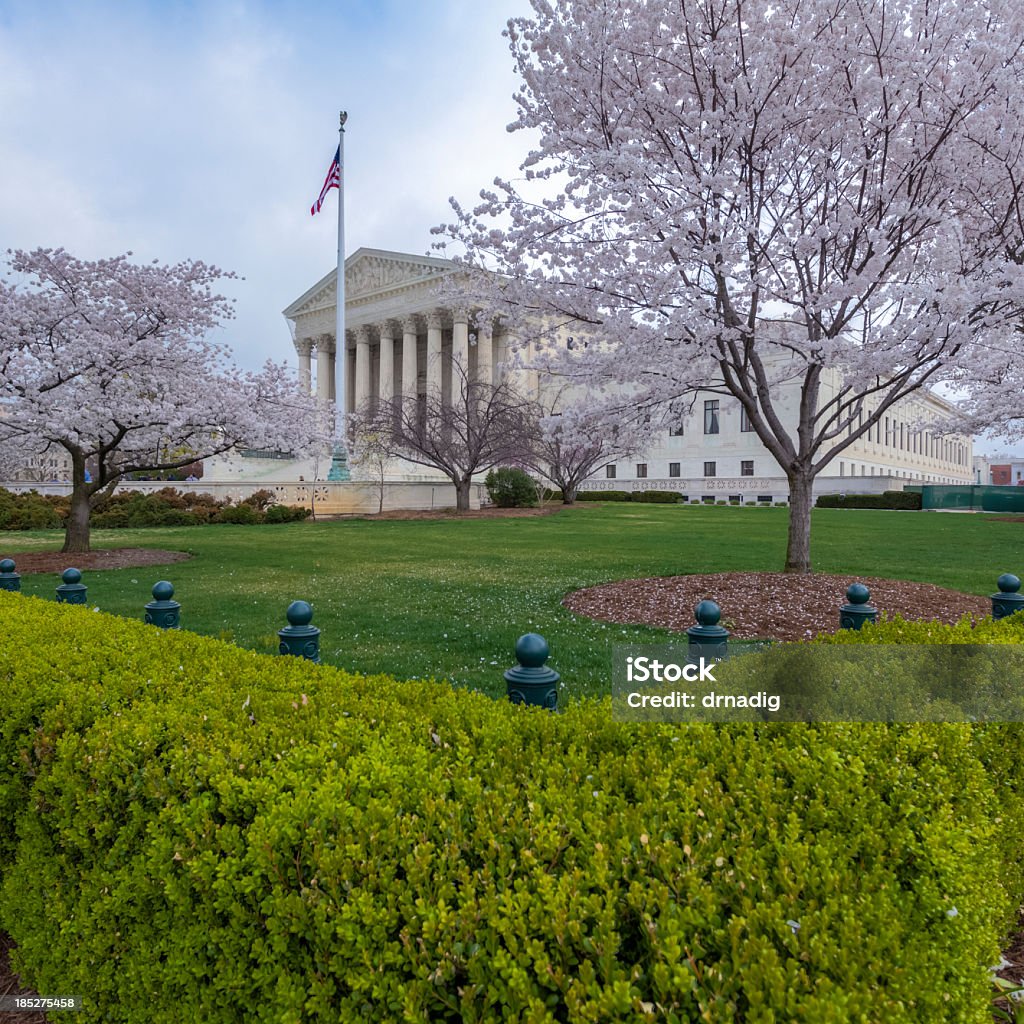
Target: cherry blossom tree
pixel 745 196
pixel 577 437
pixel 108 360
pixel 477 426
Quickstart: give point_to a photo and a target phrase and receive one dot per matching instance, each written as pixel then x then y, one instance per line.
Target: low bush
pixel 130 509
pixel 510 487
pixel 604 496
pixel 189 831
pixel 31 511
pixel 285 514
pixel 657 497
pixel 908 500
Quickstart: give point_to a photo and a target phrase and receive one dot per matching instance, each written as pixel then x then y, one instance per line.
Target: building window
pixel 709 469
pixel 641 469
pixel 745 425
pixel 609 472
pixel 711 416
pixel 673 469
pixel 676 430
pixel 747 467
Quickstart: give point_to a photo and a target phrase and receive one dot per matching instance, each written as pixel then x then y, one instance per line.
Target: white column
pixel 304 348
pixel 324 368
pixel 434 356
pixel 485 353
pixel 410 365
pixel 460 348
pixel 386 387
pixel 362 394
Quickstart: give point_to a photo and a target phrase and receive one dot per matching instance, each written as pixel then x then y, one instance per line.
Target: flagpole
pixel 339 460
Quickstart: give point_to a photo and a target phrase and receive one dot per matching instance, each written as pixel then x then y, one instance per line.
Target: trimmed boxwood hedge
pixel 189 831
pixel 657 497
pixel 604 496
pixel 906 500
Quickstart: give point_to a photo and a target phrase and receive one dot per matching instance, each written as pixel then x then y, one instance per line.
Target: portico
pixel 401 338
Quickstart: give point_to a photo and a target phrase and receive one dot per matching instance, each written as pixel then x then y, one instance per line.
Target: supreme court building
pixel 401 341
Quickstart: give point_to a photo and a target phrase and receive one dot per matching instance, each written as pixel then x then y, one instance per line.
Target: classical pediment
pixel 370 272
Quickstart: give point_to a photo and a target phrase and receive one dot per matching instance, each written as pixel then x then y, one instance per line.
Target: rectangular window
pixel 711 416
pixel 641 469
pixel 747 467
pixel 745 425
pixel 609 472
pixel 841 469
pixel 676 430
pixel 673 469
pixel 709 469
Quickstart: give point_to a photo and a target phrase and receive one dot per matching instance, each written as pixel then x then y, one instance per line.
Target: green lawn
pixel 448 598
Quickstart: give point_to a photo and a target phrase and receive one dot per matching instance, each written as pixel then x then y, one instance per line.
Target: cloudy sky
pixel 204 129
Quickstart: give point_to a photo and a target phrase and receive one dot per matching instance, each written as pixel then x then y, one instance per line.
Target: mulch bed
pixel 9 987
pixel 28 562
pixel 775 605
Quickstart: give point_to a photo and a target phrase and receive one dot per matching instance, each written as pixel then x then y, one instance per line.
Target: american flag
pixel 333 180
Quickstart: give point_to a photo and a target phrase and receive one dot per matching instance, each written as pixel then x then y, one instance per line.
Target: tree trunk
pixel 798 547
pixel 76 533
pixel 569 495
pixel 462 495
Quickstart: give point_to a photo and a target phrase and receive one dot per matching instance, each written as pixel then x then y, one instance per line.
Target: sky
pixel 204 130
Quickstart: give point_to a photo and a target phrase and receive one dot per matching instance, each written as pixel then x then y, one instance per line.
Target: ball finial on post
pixel 1008 601
pixel 708 639
pixel 530 682
pixel 299 638
pixel 72 590
pixel 163 611
pixel 9 579
pixel 857 611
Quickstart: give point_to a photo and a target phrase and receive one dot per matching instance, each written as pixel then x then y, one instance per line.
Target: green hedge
pixel 129 509
pixel 189 831
pixel 908 500
pixel 657 497
pixel 604 496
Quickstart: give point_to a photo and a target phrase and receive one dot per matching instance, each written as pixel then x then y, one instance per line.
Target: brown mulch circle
pixel 775 605
pixel 28 562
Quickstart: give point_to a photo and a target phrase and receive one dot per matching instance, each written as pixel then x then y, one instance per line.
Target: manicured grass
pixel 448 598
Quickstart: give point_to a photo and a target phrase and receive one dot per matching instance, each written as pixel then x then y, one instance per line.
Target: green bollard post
pixel 162 611
pixel 72 590
pixel 708 640
pixel 530 682
pixel 299 638
pixel 1007 601
pixel 9 579
pixel 854 614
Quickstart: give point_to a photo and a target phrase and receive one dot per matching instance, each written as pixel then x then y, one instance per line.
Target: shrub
pixel 188 831
pixel 241 514
pixel 909 500
pixel 285 514
pixel 30 511
pixel 510 487
pixel 604 496
pixel 657 497
pixel 260 500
